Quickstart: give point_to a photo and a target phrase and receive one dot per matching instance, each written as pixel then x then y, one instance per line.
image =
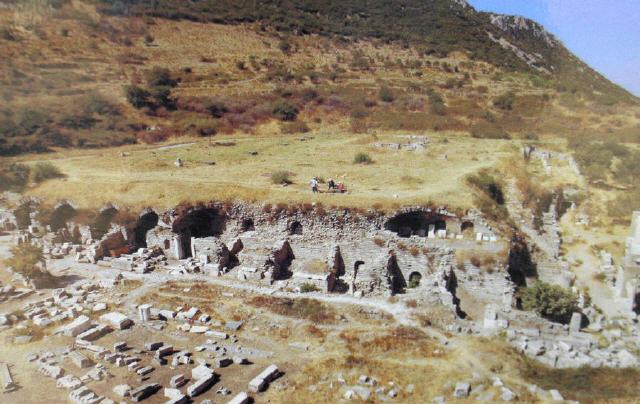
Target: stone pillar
pixel 619 288
pixel 178 251
pixel 193 247
pixel 576 323
pixel 631 289
pixel 144 311
pixel 490 318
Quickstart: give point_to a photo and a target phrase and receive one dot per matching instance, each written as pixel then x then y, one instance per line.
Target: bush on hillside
pixel 362 158
pixel 285 111
pixel 160 76
pixel 45 171
pixel 281 177
pixel 505 101
pixel 550 301
pixel 436 102
pixel 137 96
pixel 14 177
pixel 487 183
pixel 308 287
pixel 386 94
pixel 25 259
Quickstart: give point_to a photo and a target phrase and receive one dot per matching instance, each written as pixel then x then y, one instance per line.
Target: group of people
pixel 331 184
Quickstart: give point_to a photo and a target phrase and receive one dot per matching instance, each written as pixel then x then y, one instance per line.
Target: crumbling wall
pixel 279 261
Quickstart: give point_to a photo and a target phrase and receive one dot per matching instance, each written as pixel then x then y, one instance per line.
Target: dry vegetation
pixel 244 79
pixel 237 174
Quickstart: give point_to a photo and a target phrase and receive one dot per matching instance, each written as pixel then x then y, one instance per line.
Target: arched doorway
pixel 247 225
pixel 61 215
pixel 414 279
pixel 295 228
pixel 198 223
pixel 418 223
pixel 103 221
pixel 146 222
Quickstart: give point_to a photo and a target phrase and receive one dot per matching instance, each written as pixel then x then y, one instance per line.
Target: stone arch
pixel 397 282
pixel 416 223
pixel 414 279
pixel 247 224
pixel 295 228
pixel 62 213
pixel 102 223
pixel 147 221
pixel 198 223
pixel 466 225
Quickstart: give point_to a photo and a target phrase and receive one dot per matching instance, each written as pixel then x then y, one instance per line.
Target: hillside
pixel 290 67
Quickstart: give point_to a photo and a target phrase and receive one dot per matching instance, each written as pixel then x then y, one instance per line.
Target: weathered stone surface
pixel 260 382
pixel 461 390
pixel 240 398
pixel 117 320
pixel 200 372
pixel 201 385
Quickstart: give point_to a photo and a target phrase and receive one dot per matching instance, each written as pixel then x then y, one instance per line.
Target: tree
pixel 162 97
pixel 436 102
pixel 25 259
pixel 362 158
pixel 160 76
pixel 216 108
pixel 505 101
pixel 45 171
pixel 386 94
pixel 138 97
pixel 285 111
pixel 550 301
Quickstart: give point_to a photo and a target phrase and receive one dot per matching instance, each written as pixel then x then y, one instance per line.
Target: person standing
pixel 331 184
pixel 314 185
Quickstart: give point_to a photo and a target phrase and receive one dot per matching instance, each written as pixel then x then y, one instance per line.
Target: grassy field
pixel 147 176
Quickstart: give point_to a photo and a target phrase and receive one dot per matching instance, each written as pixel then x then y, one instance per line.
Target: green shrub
pixel 488 184
pixel 23 215
pixel 14 177
pixel 436 103
pixel 137 96
pixel 550 301
pixel 281 177
pixel 160 76
pixel 216 108
pixel 24 260
pixel 45 171
pixel 505 101
pixel 386 94
pixel 362 158
pixel 308 287
pixel 285 111
pixel 162 97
